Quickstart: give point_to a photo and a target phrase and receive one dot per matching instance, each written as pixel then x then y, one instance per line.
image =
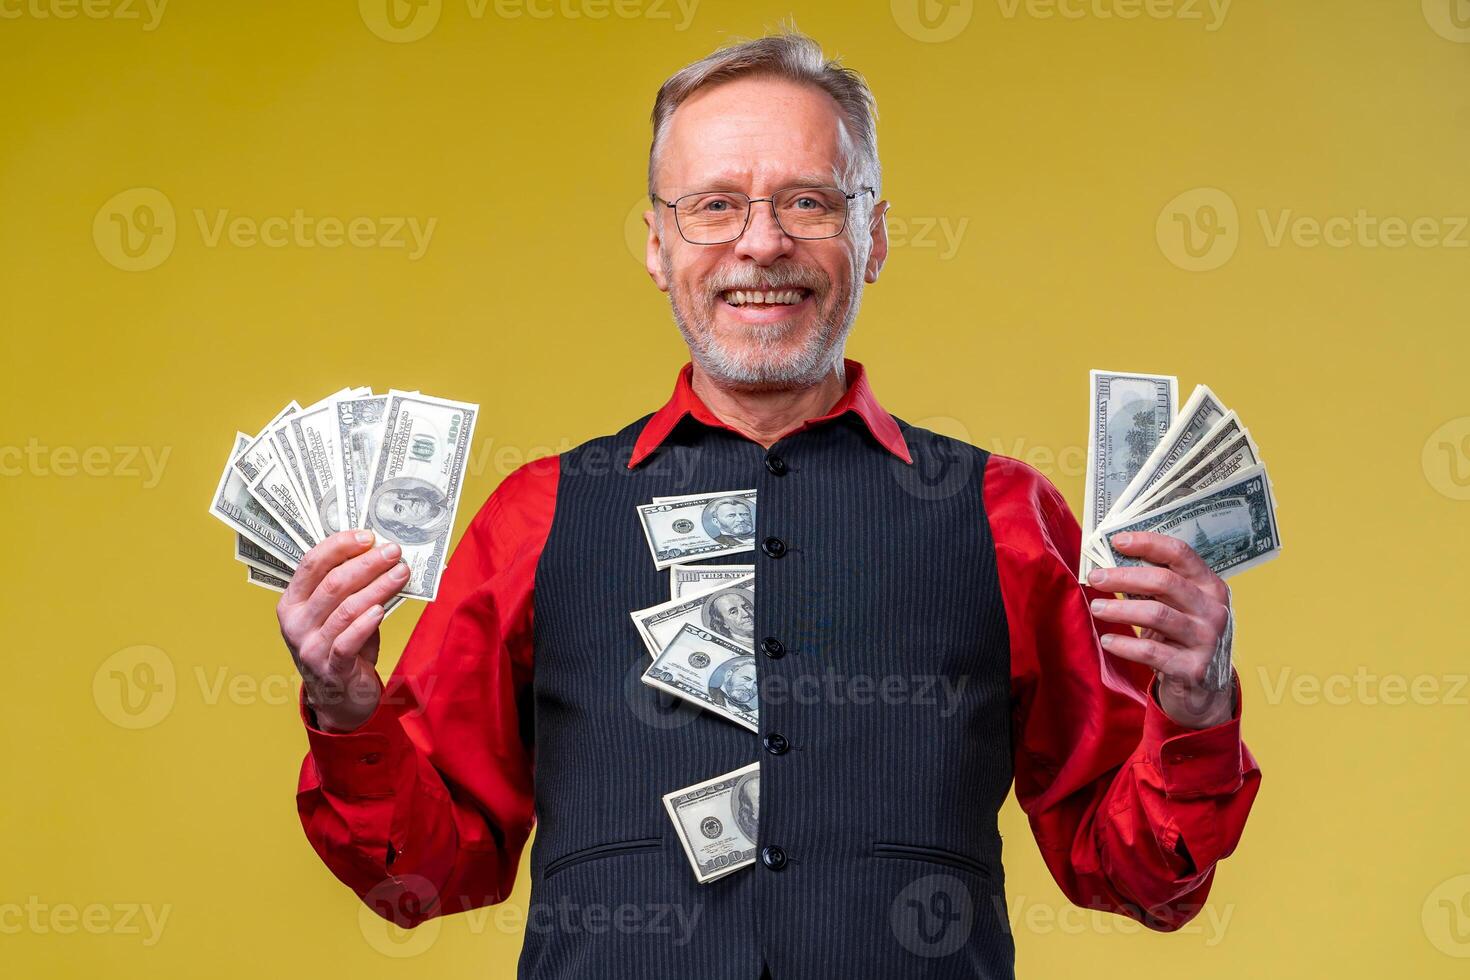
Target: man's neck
pixel 766 416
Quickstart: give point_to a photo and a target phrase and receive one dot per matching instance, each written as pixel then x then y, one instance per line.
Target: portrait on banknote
pixel 731 613
pixel 734 683
pixel 409 510
pixel 730 521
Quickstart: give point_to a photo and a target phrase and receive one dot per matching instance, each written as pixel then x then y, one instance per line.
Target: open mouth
pixel 764 299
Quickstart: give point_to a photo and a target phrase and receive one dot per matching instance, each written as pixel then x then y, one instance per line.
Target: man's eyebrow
pixel 728 183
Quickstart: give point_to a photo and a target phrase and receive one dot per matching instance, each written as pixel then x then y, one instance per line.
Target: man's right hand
pixel 329 617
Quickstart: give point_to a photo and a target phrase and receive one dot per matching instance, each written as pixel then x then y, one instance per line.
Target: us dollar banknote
pixel 251 460
pixel 1231 526
pixel 689 580
pixel 273 488
pixel 417 481
pixel 717 821
pixel 688 528
pixel 252 554
pixel 313 435
pixel 1231 457
pixel 728 611
pixel 359 432
pixel 265 580
pixel 1128 415
pixel 1224 429
pixel 710 671
pixel 233 504
pixel 1198 416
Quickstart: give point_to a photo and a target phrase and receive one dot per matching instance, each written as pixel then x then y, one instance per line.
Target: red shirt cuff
pixel 357 764
pixel 1194 762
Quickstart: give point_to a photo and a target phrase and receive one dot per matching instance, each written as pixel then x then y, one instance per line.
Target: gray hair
pixel 793 56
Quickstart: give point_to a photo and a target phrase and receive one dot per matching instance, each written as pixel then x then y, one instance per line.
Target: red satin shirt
pixel 434 793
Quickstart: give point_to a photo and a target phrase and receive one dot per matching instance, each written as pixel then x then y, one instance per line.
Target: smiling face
pixel 760 135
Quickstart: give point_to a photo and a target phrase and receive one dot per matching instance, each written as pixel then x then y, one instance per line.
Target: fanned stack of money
pixel 393 464
pixel 1194 474
pixel 702 648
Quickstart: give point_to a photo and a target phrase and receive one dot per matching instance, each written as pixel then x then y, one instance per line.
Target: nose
pixel 763 242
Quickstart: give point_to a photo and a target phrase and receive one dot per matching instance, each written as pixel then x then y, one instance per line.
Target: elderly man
pixel 517 697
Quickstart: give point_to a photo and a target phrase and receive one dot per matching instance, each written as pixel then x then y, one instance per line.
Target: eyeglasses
pixel 717 217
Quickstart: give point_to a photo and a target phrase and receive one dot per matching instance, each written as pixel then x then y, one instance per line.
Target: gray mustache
pixel 770 279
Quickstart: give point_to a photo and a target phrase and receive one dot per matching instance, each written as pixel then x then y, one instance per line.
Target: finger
pixel 1161 549
pixel 1164 584
pixel 1153 653
pixel 341 582
pixel 321 559
pixel 341 661
pixel 351 609
pixel 1163 621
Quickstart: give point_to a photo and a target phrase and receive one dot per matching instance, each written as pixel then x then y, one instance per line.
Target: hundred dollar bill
pixel 266 580
pixel 717 820
pixel 687 528
pixel 1232 525
pixel 279 436
pixel 690 580
pixel 1232 457
pixel 272 487
pixel 1201 411
pixel 1224 431
pixel 296 455
pixel 1127 416
pixel 313 436
pixel 710 671
pixel 359 424
pixel 278 494
pixel 417 481
pixel 728 612
pixel 254 555
pixel 252 460
pixel 233 504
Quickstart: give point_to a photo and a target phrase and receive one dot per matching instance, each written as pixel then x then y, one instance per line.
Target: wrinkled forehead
pixel 755 135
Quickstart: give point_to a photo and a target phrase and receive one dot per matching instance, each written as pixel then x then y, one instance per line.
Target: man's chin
pixel 745 370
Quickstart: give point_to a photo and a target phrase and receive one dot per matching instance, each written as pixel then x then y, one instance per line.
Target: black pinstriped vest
pixel 885 666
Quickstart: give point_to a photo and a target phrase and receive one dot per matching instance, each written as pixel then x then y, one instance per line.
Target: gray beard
pixel 758 364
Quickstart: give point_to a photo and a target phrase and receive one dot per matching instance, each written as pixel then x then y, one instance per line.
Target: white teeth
pixel 784 297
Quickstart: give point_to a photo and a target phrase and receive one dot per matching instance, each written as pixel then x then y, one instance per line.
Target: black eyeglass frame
pixel 750 209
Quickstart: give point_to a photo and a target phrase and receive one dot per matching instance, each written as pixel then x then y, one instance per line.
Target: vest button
pixel 775 464
pixel 773 857
pixel 773 648
pixel 774 547
pixel 776 743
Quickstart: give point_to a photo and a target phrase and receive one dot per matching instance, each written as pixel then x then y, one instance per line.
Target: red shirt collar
pixel 858 399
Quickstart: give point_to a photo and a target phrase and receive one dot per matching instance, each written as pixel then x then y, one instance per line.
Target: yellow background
pixel 1049 148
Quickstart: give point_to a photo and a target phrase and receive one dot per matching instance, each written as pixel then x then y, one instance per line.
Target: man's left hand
pixel 1182 624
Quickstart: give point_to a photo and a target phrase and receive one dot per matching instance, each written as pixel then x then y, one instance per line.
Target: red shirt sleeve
pixel 1131 811
pixel 428 805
